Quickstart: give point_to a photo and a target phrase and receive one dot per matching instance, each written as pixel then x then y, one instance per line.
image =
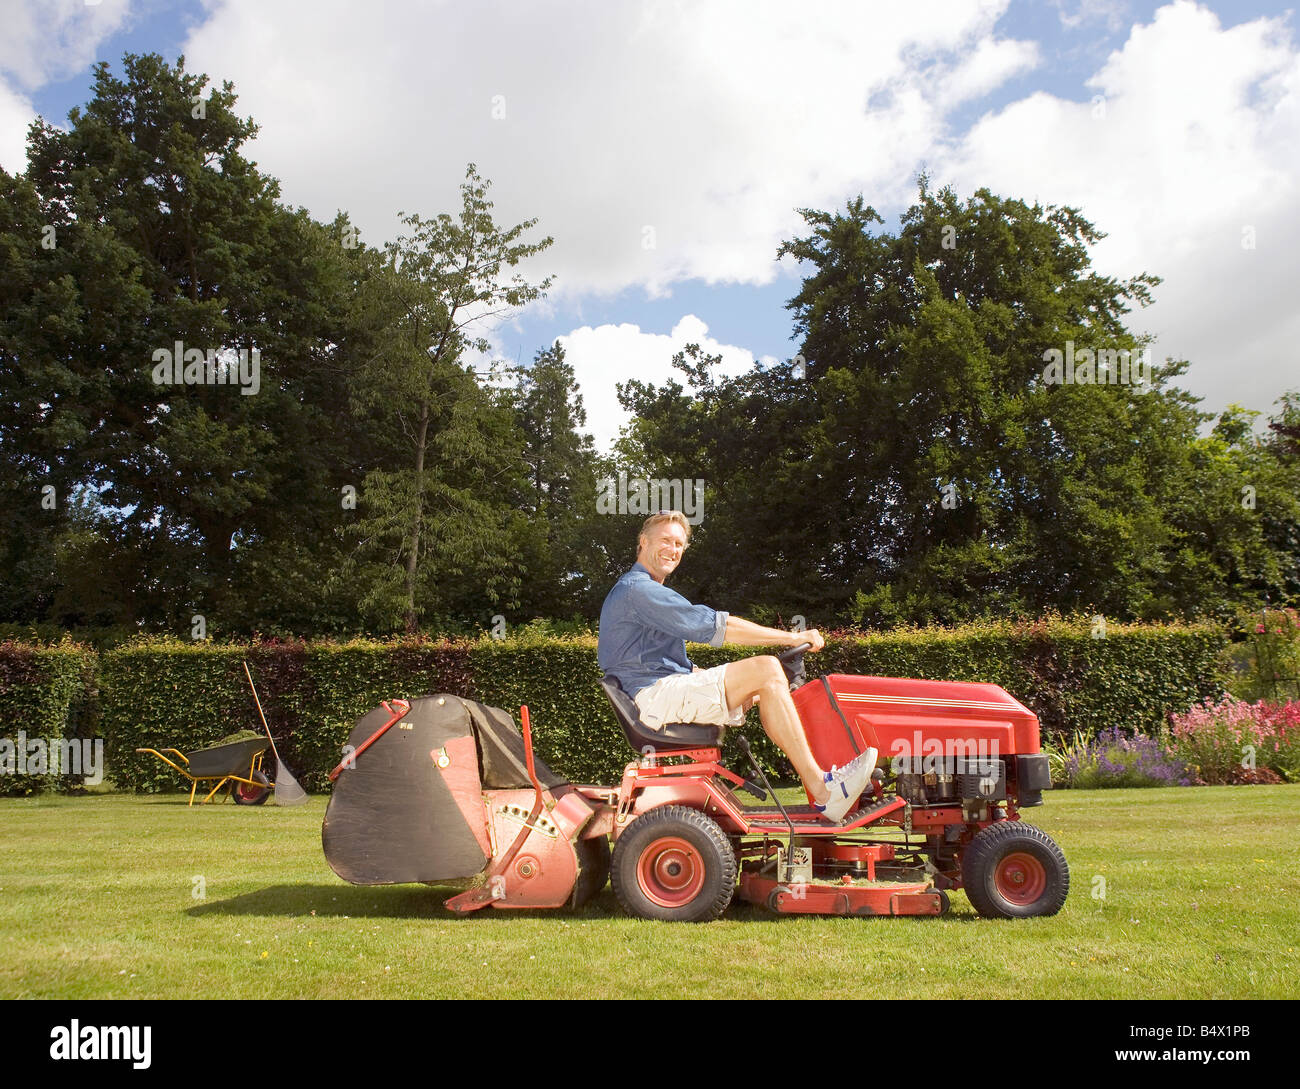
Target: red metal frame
pixel 841 898
pixel 540 865
pixel 695 784
pixel 398 713
pixel 502 865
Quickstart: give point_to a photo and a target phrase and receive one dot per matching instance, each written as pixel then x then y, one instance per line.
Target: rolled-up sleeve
pixel 667 611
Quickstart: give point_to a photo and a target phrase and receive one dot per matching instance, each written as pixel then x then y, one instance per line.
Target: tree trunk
pixel 418 518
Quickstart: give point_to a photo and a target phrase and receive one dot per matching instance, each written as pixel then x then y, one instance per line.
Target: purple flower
pixel 1121 759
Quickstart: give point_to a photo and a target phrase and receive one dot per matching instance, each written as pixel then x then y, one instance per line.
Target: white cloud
pixel 707 122
pixel 704 122
pixel 41 42
pixel 1200 139
pixel 992 63
pixel 52 39
pixel 603 356
pixel 710 124
pixel 16 113
pixel 711 128
pixel 1111 12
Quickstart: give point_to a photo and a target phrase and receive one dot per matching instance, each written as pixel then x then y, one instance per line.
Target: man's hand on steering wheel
pixel 811 636
pixel 801 643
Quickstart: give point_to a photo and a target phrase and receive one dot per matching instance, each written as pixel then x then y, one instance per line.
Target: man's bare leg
pixel 763 677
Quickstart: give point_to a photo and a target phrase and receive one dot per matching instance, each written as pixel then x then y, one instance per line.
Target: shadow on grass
pixel 426 902
pixel 378 902
pixel 181 799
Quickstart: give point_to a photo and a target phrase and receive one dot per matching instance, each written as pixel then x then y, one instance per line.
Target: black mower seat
pixel 671 738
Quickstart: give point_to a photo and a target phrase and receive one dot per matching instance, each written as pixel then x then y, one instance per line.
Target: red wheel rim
pixel 670 872
pixel 249 793
pixel 1020 878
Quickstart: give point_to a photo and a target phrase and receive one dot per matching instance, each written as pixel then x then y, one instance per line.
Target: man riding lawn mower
pixel 455 794
pixel 643 631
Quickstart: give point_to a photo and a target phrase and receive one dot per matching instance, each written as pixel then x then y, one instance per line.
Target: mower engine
pixel 947 742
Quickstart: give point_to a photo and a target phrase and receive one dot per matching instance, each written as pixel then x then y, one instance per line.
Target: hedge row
pixel 164 693
pixel 46 695
pixel 169 694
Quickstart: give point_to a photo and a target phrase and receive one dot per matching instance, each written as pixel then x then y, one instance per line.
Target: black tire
pixel 1012 870
pixel 247 795
pixel 593 869
pixel 674 863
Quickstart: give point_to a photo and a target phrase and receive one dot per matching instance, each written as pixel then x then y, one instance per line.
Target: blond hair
pixel 659 518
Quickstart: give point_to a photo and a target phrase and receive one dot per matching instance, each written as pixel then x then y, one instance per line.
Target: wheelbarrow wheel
pixel 674 863
pixel 245 794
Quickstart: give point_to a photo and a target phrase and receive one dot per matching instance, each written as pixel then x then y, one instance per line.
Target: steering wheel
pixel 792 662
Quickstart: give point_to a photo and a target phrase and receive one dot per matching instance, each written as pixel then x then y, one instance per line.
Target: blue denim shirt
pixel 644 627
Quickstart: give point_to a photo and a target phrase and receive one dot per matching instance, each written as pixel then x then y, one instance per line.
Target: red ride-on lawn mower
pixel 443 789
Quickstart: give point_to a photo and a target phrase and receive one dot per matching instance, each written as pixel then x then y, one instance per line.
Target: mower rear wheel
pixel 1012 870
pixel 674 863
pixel 244 794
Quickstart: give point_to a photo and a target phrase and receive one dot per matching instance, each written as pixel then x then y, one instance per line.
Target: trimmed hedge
pixel 46 692
pixel 574 729
pixel 171 694
pixel 162 693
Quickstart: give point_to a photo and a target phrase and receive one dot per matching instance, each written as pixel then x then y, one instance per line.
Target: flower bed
pixel 1233 741
pixel 1117 759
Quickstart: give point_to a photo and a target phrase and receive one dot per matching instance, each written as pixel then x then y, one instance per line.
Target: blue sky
pixel 606 135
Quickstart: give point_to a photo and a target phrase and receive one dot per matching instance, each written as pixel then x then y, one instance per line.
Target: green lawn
pixel 98 899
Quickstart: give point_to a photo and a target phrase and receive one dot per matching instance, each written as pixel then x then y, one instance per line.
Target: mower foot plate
pixel 810 821
pixel 836 898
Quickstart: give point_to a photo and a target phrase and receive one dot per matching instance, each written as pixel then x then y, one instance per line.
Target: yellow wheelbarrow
pixel 237 764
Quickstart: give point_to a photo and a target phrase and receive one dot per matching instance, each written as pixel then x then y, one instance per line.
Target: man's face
pixel 661 550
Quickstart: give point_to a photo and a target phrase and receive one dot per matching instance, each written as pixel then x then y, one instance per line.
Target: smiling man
pixel 643 631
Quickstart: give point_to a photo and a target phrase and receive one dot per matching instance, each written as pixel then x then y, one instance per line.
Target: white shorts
pixel 688 697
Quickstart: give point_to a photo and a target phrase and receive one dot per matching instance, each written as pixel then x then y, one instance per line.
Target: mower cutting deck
pixel 444 789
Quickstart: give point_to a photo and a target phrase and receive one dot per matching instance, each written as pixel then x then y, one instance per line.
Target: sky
pixel 667 146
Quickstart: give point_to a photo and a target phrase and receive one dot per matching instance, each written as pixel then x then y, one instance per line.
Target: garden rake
pixel 287 790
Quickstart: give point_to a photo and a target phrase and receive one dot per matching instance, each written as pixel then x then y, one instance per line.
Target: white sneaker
pixel 847 784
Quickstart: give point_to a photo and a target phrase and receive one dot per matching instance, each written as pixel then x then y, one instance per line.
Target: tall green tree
pixel 1282 524
pixel 1243 520
pixel 141 226
pixel 565 565
pixel 435 510
pixel 920 461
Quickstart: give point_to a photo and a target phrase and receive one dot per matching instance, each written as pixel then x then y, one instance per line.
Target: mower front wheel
pixel 1014 871
pixel 674 863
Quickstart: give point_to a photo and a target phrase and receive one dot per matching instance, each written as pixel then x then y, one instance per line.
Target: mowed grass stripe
pixel 1175 893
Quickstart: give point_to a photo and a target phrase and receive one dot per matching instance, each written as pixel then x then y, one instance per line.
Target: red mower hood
pixel 912 718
